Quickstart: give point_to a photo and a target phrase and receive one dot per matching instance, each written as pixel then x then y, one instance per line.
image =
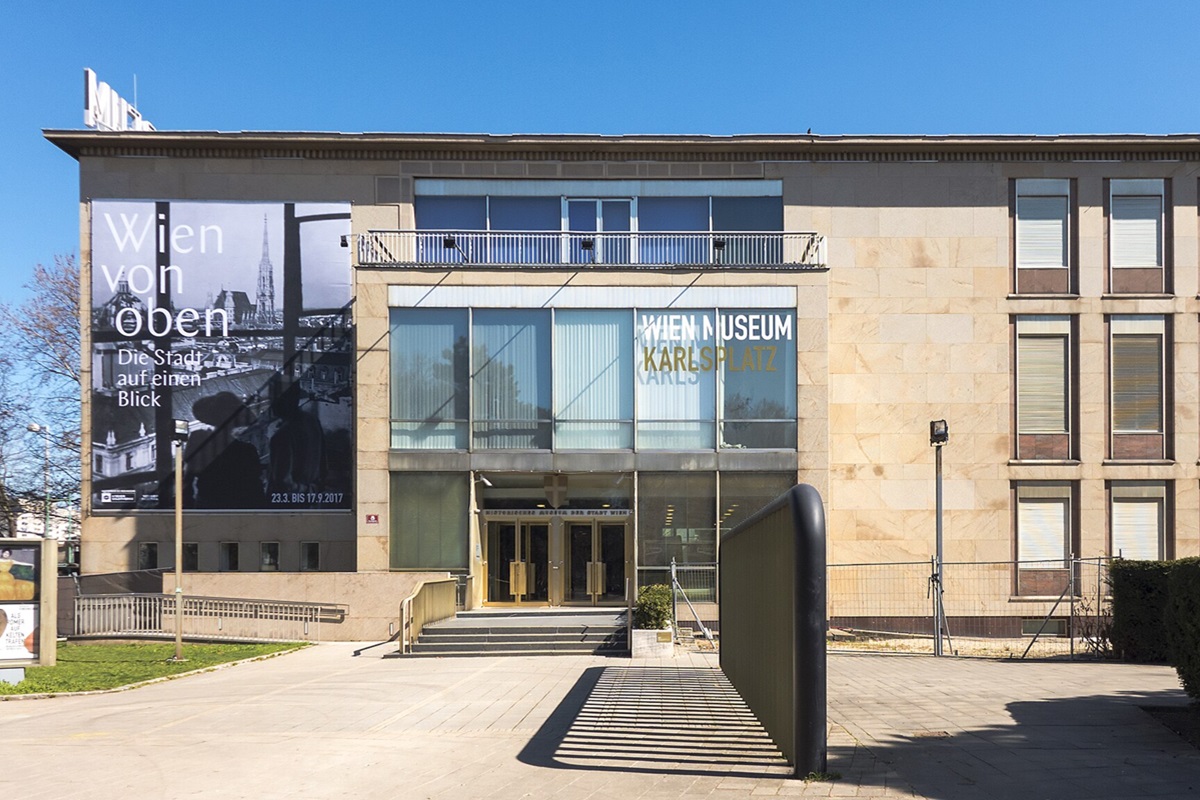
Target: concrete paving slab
pixel 325 723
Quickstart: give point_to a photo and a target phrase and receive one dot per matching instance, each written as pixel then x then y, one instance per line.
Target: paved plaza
pixel 337 721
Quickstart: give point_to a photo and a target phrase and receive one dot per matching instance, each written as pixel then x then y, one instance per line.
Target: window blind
pixel 1042 525
pixel 1137 527
pixel 1136 231
pixel 1042 383
pixel 1137 383
pixel 1041 231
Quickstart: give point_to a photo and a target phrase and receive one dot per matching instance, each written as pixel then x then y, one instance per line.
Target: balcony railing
pixel 617 251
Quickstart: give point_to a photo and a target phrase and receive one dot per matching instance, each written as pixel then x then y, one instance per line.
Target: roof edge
pixel 81 143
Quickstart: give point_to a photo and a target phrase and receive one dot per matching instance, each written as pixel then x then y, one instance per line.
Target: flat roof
pixel 314 144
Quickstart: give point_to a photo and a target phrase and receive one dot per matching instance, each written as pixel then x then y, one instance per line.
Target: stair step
pixel 450 647
pixel 507 630
pixel 511 653
pixel 539 636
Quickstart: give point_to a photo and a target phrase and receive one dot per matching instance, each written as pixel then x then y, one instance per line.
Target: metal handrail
pixel 430 601
pixel 229 618
pixel 599 250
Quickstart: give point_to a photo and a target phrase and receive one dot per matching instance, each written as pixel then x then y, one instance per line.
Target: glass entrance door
pixel 595 558
pixel 518 556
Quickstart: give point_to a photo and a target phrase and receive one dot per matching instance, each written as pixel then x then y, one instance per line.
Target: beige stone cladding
pixel 914 320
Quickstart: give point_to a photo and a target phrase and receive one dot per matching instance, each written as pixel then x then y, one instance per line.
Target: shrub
pixel 653 608
pixel 1182 623
pixel 1139 598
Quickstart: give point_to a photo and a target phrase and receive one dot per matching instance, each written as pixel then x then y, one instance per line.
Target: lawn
pixel 86 667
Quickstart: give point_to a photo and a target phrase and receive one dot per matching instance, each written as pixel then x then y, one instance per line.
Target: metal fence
pixel 695 582
pixel 1029 609
pixel 599 250
pixel 207 618
pixel 1005 608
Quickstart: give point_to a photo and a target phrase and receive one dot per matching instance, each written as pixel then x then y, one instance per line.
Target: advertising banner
pixel 236 318
pixel 19 594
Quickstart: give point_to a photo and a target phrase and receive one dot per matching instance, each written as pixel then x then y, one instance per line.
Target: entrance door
pixel 595 557
pixel 518 556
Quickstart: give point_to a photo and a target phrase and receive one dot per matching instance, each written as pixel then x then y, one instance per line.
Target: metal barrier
pixel 597 250
pixel 210 618
pixel 430 601
pixel 772 590
pixel 1000 608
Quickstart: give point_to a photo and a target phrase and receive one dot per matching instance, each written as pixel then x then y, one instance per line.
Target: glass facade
pixel 593 379
pixel 430 513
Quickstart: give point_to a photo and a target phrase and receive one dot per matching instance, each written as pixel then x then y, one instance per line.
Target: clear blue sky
pixel 556 66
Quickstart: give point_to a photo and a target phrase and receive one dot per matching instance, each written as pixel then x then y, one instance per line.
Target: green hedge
pixel 1139 597
pixel 653 609
pixel 1182 622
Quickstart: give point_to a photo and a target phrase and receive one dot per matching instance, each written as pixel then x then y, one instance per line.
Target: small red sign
pixel 372 519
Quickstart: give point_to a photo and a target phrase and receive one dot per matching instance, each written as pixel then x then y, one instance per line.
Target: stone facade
pixel 912 321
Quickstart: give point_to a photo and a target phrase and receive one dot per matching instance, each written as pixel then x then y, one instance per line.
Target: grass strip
pixel 86 667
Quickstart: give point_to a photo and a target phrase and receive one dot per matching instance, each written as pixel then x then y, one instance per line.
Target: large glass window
pixel 429 378
pixel 438 213
pixel 429 520
pixel 758 374
pixel 677 363
pixel 511 379
pixel 744 493
pixel 593 380
pixel 676 519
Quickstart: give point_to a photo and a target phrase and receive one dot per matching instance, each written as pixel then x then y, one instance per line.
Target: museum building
pixel 554 365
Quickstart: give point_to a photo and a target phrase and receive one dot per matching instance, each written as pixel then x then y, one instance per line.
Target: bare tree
pixel 41 339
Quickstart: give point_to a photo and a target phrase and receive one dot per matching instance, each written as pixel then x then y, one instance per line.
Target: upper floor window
pixel 1137 236
pixel 1043 234
pixel 1044 387
pixel 600 222
pixel 1138 353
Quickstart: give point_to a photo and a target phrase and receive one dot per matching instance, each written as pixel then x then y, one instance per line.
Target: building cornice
pixel 572 147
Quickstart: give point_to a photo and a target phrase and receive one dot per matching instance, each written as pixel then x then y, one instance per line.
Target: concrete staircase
pixel 522 632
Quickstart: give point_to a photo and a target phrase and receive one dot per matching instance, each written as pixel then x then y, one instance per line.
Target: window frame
pixel 224 563
pixel 1150 276
pixel 1045 444
pixel 305 549
pixel 147 553
pixel 1045 278
pixel 191 563
pixel 268 561
pixel 1158 493
pixel 1133 443
pixel 1046 577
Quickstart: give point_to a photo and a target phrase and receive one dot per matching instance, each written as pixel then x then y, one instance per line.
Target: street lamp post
pixel 179 436
pixel 939 434
pixel 44 431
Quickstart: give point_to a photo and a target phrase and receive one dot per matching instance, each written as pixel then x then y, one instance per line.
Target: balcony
pixel 658 250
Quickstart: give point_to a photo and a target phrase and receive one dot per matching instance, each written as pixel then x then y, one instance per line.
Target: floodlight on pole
pixel 939 435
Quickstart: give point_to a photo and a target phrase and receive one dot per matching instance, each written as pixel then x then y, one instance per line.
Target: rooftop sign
pixel 106 110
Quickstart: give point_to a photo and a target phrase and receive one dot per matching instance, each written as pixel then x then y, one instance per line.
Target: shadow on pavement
pixel 1098 746
pixel 655 720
